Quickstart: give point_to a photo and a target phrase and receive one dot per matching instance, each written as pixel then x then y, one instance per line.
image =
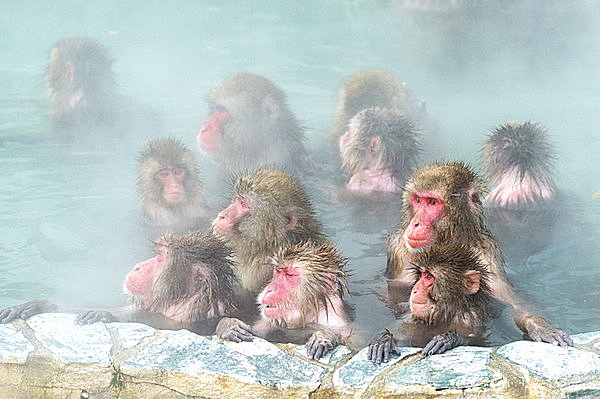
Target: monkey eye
pixel 163 173
pixel 244 203
pixel 178 171
pixel 432 201
pixel 417 199
pixel 427 275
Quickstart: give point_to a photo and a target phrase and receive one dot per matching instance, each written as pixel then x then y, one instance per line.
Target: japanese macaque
pixel 250 126
pixel 372 88
pixel 380 149
pixel 303 302
pixel 169 187
pixel 269 211
pixel 518 159
pixel 190 280
pixel 442 204
pixel 449 299
pixel 85 103
pixel 81 83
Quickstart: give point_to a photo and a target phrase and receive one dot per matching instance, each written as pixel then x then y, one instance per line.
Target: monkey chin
pixel 282 317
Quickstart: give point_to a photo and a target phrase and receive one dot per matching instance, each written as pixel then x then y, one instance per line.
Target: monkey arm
pixel 26 310
pixel 381 346
pixel 538 328
pixel 444 342
pixel 235 330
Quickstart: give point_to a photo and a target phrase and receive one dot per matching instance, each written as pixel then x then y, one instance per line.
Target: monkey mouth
pixel 417 243
pixel 271 311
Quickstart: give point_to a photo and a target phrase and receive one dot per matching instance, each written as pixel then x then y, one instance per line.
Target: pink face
pixel 139 280
pixel 420 299
pixel 227 220
pixel 172 181
pixel 276 296
pixel 427 210
pixel 210 137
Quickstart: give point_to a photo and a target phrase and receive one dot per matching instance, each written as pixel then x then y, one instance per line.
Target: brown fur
pixel 522 150
pixel 169 153
pixel 89 96
pixel 370 88
pixel 198 264
pixel 276 196
pixel 261 131
pixel 463 222
pixel 322 269
pixel 400 142
pixel 449 264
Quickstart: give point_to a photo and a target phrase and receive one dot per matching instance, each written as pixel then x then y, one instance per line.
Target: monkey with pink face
pixel 188 282
pixel 303 302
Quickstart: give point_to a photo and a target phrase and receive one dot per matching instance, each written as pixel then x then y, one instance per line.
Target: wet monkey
pixel 80 82
pixel 379 150
pixel 269 210
pixel 372 88
pixel 190 279
pixel 85 103
pixel 171 196
pixel 251 126
pixel 442 204
pixel 449 302
pixel 303 302
pixel 519 159
pixel 519 162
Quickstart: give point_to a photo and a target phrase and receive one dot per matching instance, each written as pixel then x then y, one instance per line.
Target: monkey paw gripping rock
pixel 49 356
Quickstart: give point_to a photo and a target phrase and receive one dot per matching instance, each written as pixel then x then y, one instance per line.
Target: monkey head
pixel 519 158
pixel 442 204
pixel 189 279
pixel 451 285
pixel 379 150
pixel 269 208
pixel 167 173
pixel 80 69
pixel 308 285
pixel 249 123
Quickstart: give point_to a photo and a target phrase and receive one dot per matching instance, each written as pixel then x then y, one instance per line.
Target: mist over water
pixel 65 231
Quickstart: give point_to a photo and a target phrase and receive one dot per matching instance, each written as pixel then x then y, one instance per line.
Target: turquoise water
pixel 64 229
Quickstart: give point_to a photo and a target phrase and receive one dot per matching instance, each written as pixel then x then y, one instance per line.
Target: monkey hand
pixel 321 342
pixel 444 342
pixel 381 346
pixel 235 330
pixel 94 316
pixel 26 310
pixel 540 330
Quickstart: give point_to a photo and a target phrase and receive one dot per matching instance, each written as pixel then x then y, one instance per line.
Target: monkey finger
pixel 432 347
pixel 242 334
pixel 248 329
pixel 321 350
pixel 386 352
pixel 7 315
pixel 82 318
pixel 380 353
pixel 371 351
pixel 28 312
pixel 231 336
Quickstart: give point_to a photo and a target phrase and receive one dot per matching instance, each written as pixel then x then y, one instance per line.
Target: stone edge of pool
pixel 48 356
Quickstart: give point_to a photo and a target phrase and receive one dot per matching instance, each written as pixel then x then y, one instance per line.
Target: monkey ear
pixel 375 145
pixel 292 220
pixel 270 107
pixel 70 72
pixel 472 281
